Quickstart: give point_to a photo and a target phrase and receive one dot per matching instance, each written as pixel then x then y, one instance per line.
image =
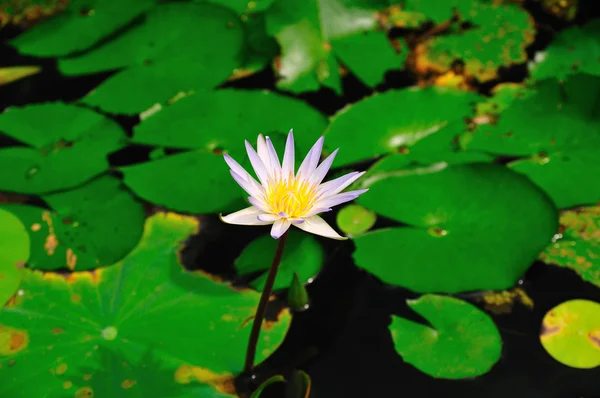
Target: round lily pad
pixel 94 225
pixel 195 182
pixel 578 245
pixel 106 332
pixel 14 253
pixel 566 117
pixel 458 216
pixel 413 120
pixel 78 27
pixel 355 219
pixel 163 57
pixel 462 341
pixel 565 176
pixel 66 146
pixel 571 333
pixel 224 118
pixel 302 255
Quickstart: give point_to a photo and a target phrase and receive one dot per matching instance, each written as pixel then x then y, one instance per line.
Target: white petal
pixel 247 216
pixel 316 225
pixel 339 198
pixel 317 210
pixel 323 168
pixel 309 164
pixel 257 202
pixel 287 167
pixel 296 221
pixel 257 164
pixel 235 166
pixel 335 186
pixel 273 159
pixel 268 217
pixel 280 227
pixel 263 153
pixel 253 190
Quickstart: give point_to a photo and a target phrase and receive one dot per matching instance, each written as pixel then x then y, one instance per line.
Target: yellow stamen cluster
pixel 292 196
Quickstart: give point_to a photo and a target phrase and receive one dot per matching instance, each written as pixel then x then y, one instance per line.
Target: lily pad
pixel 354 220
pixel 566 177
pixel 573 50
pixel 566 115
pixel 578 245
pixel 303 254
pixel 571 333
pixel 306 31
pixel 196 182
pixel 223 119
pixel 451 245
pixel 66 146
pixel 81 25
pixel 162 61
pixel 503 95
pixel 147 302
pixel 94 225
pixel 14 253
pixel 498 36
pixel 462 341
pixel 414 120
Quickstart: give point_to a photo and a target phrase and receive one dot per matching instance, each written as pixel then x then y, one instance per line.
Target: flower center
pixel 292 196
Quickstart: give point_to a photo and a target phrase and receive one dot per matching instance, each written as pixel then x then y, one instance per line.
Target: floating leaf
pixel 94 225
pixel 462 341
pixel 382 57
pixel 147 302
pixel 355 219
pixel 578 244
pixel 306 31
pixel 79 26
pixel 298 299
pixel 267 383
pixel 303 254
pixel 566 177
pixel 14 253
pixel 567 117
pixel 163 57
pixel 193 182
pixel 13 73
pixel 571 333
pixel 223 119
pixel 451 245
pixel 574 50
pixel 503 95
pixel 67 145
pixel 499 35
pixel 422 120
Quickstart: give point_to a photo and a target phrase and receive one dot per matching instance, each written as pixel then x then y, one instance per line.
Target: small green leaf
pixel 303 254
pixel 193 182
pixel 13 73
pixel 79 26
pixel 573 50
pixel 298 385
pixel 576 247
pixel 382 57
pixel 462 341
pixel 14 253
pixel 163 57
pixel 147 302
pixel 67 145
pixel 297 295
pixel 567 177
pixel 421 120
pixel 452 242
pixel 571 333
pixel 94 225
pixel 354 220
pixel 225 118
pixel 267 383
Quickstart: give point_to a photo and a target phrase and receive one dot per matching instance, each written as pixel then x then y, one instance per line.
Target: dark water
pixel 342 341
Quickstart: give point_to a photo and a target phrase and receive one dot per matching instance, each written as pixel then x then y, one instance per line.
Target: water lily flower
pixel 285 197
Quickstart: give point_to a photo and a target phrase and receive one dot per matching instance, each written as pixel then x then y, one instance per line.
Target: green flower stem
pixel 262 305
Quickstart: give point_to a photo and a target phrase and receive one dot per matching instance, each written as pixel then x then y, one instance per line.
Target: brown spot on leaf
pixel 51 241
pixel 84 392
pixel 76 298
pixel 67 385
pixel 61 369
pixel 594 337
pixel 36 227
pixel 127 383
pixel 187 374
pixel 71 259
pixel 12 340
pixel 56 331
